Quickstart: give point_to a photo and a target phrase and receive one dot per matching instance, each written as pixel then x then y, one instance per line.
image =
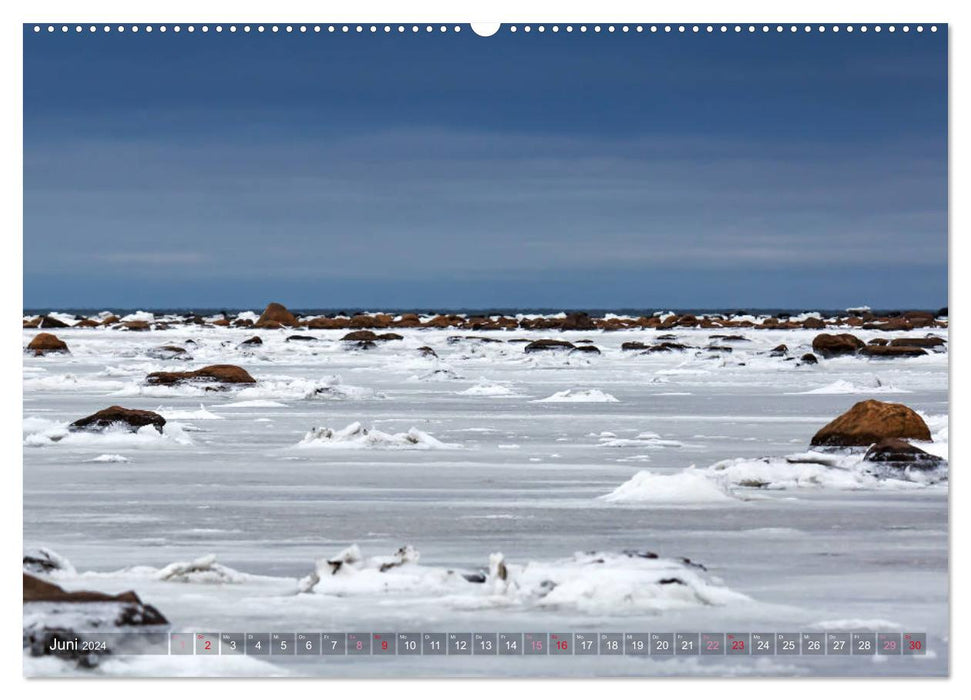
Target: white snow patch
pixel 487 389
pixel 256 403
pixel 108 458
pixel 874 385
pixel 588 582
pixel 146 436
pixel 688 486
pixel 356 436
pixel 645 440
pixel 578 396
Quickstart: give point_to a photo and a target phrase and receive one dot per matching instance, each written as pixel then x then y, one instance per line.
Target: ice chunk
pixel 356 436
pixel 684 487
pixel 578 396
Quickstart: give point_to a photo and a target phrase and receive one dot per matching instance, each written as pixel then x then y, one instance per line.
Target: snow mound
pixel 139 316
pixel 684 487
pixel 578 396
pixel 202 570
pixel 114 436
pixel 356 436
pixel 588 582
pixel 841 471
pixel 47 562
pixel 607 582
pixel 487 389
pixel 841 386
pixel 332 388
pixel 647 440
pixel 349 574
pixel 108 458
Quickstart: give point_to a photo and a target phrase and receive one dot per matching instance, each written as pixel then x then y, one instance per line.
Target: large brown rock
pixel 133 612
pixel 892 351
pixel 370 336
pixel 830 345
pixel 408 321
pixel 891 324
pixel 51 322
pixel 132 418
pixel 547 344
pixel 928 342
pixel 45 343
pixel 217 374
pixel 870 421
pixel 274 316
pixel 579 321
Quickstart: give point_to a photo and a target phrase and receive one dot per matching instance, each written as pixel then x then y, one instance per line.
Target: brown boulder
pixel 579 321
pixel 249 342
pixel 426 351
pixel 51 322
pixel 168 352
pixel 441 321
pixel 370 336
pixel 633 345
pixel 274 316
pixel 779 350
pixel 408 321
pixel 902 453
pixel 322 322
pixel 220 374
pixel 891 324
pixel 829 345
pixel 586 349
pixel 136 326
pixel 135 612
pixel 892 351
pixel 131 418
pixel 547 344
pixel 870 421
pixel 87 323
pixel 44 343
pixel 930 342
pixel 367 321
pixel 667 347
pixel 814 324
pixel 809 359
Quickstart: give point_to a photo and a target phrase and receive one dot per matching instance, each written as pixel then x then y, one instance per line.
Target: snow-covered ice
pixel 557 462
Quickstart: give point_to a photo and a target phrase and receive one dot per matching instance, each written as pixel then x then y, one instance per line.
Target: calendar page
pixel 358 350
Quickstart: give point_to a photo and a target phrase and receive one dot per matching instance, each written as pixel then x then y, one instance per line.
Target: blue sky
pixel 450 170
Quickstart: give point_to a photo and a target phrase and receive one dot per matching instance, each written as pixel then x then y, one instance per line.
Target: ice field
pixel 480 456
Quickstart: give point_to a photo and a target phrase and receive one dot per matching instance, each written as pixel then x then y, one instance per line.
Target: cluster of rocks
pixel 884 429
pixel 828 345
pixel 277 316
pixel 552 345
